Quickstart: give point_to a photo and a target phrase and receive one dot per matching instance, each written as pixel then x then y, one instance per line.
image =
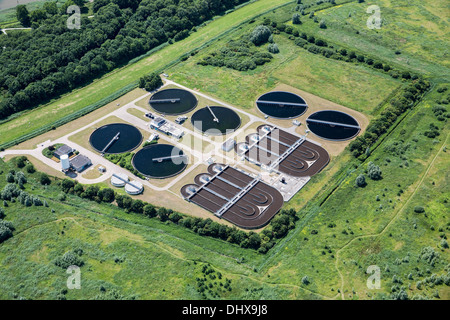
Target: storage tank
pixel 65 162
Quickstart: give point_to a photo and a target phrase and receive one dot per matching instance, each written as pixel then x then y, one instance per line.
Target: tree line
pixel 52 60
pixel 262 242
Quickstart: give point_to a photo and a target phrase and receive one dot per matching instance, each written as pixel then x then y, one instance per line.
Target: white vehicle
pixel 154 136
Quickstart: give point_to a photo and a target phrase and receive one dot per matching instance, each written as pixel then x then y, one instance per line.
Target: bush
pixel 5 233
pixel 361 181
pixel 44 179
pixel 260 35
pixel 374 171
pixel 322 24
pixel 106 195
pixel 20 162
pixel 10 178
pixel 320 43
pixel 281 27
pixel 10 191
pixel 6 229
pixel 70 258
pixel 296 19
pixel 378 65
pixel 419 209
pixel 273 48
pixel 150 82
pixel 30 168
pixel 66 185
pixel 62 197
pixel 149 210
pixel 301 42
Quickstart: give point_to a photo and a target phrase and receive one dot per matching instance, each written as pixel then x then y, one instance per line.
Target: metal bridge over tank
pixel 281 103
pixel 237 197
pixel 334 123
pixel 161 159
pixel 174 100
pixel 116 137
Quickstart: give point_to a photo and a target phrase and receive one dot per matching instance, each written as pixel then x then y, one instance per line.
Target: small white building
pixel 228 145
pixel 119 180
pixel 134 187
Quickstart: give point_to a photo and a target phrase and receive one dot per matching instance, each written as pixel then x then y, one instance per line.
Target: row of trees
pixel 278 228
pixel 319 46
pixel 52 59
pixel 397 106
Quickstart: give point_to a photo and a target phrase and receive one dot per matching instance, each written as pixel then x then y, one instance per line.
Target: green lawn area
pixel 118 79
pixel 418 29
pixel 350 85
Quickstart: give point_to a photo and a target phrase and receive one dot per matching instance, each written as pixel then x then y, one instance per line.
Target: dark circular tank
pixel 216 120
pixel 281 105
pixel 160 161
pixel 173 101
pixel 115 138
pixel 333 125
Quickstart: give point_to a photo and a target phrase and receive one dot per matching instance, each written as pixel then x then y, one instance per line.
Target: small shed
pixel 228 145
pixel 63 150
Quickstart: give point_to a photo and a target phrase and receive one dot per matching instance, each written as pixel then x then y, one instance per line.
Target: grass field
pixel 118 79
pixel 120 248
pixel 333 80
pixel 417 29
pixel 342 229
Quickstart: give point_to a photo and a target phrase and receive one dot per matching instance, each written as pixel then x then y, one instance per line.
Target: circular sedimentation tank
pixel 281 105
pixel 115 138
pixel 160 161
pixel 214 120
pixel 333 125
pixel 173 101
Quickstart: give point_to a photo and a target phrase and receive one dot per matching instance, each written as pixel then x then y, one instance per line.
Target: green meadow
pixel 413 34
pixel 333 80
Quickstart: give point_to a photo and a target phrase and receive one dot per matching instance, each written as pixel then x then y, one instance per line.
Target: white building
pixel 134 187
pixel 119 180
